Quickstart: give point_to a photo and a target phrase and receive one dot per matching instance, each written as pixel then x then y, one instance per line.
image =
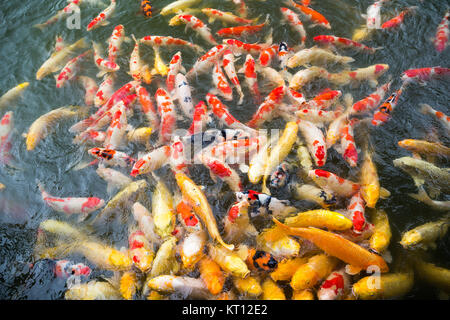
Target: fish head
pixel 410 239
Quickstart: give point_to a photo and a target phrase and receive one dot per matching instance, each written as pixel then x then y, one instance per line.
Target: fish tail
pixel 228 246
pixel 421 196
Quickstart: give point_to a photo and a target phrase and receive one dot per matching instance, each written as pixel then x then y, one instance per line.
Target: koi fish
pixel 174 68
pixel 111 157
pixel 383 114
pixel 102 18
pixel 228 261
pixel 169 42
pixel 218 168
pixel 104 65
pixel 159 65
pixel 90 88
pixel 373 17
pixel 211 275
pixel 69 71
pixel 381 237
pixel 334 130
pixel 178 159
pixel 314 194
pixel 207 61
pixel 314 140
pixel 315 17
pixel 334 287
pixel 146 8
pixel 227 17
pixel 113 178
pixel 432 274
pixel 320 219
pixel 281 176
pixel 422 75
pixel 115 42
pixel 237 224
pixel 188 217
pixel 165 261
pixel 57 61
pixel 304 76
pixel 240 31
pixel 343 43
pixel 183 94
pixel 425 147
pixel 163 210
pixel 222 87
pixel 316 55
pixel 145 222
pixel 140 251
pixel 311 272
pixel 251 78
pixel 266 109
pixel 271 291
pixel 442 33
pixel 398 20
pixel 283 54
pixel 228 65
pixel 335 184
pixel 200 118
pixel 105 90
pixel 92 290
pixel 6 128
pixel 371 73
pixel 425 235
pixel 371 101
pixel 239 47
pixel 338 247
pixel 147 106
pixel 67 269
pixel 166 110
pixel 151 161
pixel 195 24
pixel 248 286
pixel 317 116
pixel 13 94
pixel 295 22
pixel 262 203
pixel 348 145
pixel 70 8
pixel 138 69
pixel 198 201
pixel 117 129
pixel 176 6
pixel 443 119
pixel 59 45
pixel 390 286
pixel 370 185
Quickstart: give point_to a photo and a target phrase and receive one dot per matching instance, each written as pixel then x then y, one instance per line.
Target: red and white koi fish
pixel 66 269
pixel 315 141
pixel 178 160
pixel 317 116
pixel 207 61
pixel 343 43
pixel 72 205
pixel 69 9
pixel 169 42
pixel 151 161
pixel 442 34
pixel 239 47
pixel 189 219
pixel 249 70
pixel 296 97
pixel 334 130
pixel 283 54
pixel 227 17
pixel 240 31
pixel 398 20
pixel 348 146
pixel 102 18
pixel 384 112
pixel 59 44
pixel 105 90
pixel 183 94
pixel 138 69
pixel 174 68
pixel 356 213
pixel 333 183
pixel 90 136
pixel 70 69
pixel 422 75
pixel 218 168
pixel 304 76
pixel 111 157
pixel 230 70
pixel 370 102
pixel 90 88
pixel 235 151
pixel 166 110
pixel 373 16
pixel 371 73
pixel 222 87
pixel 266 110
pixel 236 223
pixel 200 118
pixel 325 99
pixel 195 24
pixel 115 42
pixel 225 117
pixel 104 65
pixel 117 129
pixel 335 287
pixel 140 251
pixel 147 106
pixel 315 17
pixel 292 18
pixel 440 116
pixel 6 128
pixel 266 56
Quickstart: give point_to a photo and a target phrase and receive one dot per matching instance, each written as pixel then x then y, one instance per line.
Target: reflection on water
pixel 23 50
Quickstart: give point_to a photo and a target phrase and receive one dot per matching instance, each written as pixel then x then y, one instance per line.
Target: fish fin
pixel 373 83
pixel 104 23
pixel 384 193
pixel 352 270
pixel 127 39
pixel 243 167
pixel 101 74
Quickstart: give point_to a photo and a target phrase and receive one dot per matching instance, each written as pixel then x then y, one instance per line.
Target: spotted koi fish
pixel 242 7
pixel 69 9
pixel 356 213
pixel 188 217
pixel 384 112
pixel 71 205
pixel 111 157
pixel 325 99
pixel 115 42
pixel 59 45
pixel 240 31
pixel 147 106
pixel 262 203
pixel 174 68
pixel 102 18
pixel 90 88
pixel 140 251
pixel 151 161
pixel 195 24
pixel 261 260
pixel 371 73
pixel 235 151
pixel 219 168
pixel 442 33
pixel 422 75
pixel 333 183
pixel 169 42
pixel 117 129
pixel 200 118
pixel 283 54
pixel 348 146
pixel 398 20
pixel 249 70
pixel 296 97
pixel 315 141
pixel 65 269
pixel 343 43
pixel 230 70
pixel 222 87
pixel 70 69
pixel 304 76
pixel 207 61
pixel 183 94
pixel 239 47
pixel 104 65
pixel 6 128
pixel 334 287
pixel 440 116
pixel 146 8
pixel 138 69
pixel 266 56
pixel 178 160
pixel 370 102
pixel 90 136
pixel 266 110
pixel 315 17
pixel 166 110
pixel 295 22
pixel 373 16
pixel 227 17
pixel 105 90
pixel 334 130
pixel 317 116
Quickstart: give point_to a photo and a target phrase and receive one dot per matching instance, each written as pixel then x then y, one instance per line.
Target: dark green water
pixel 23 49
